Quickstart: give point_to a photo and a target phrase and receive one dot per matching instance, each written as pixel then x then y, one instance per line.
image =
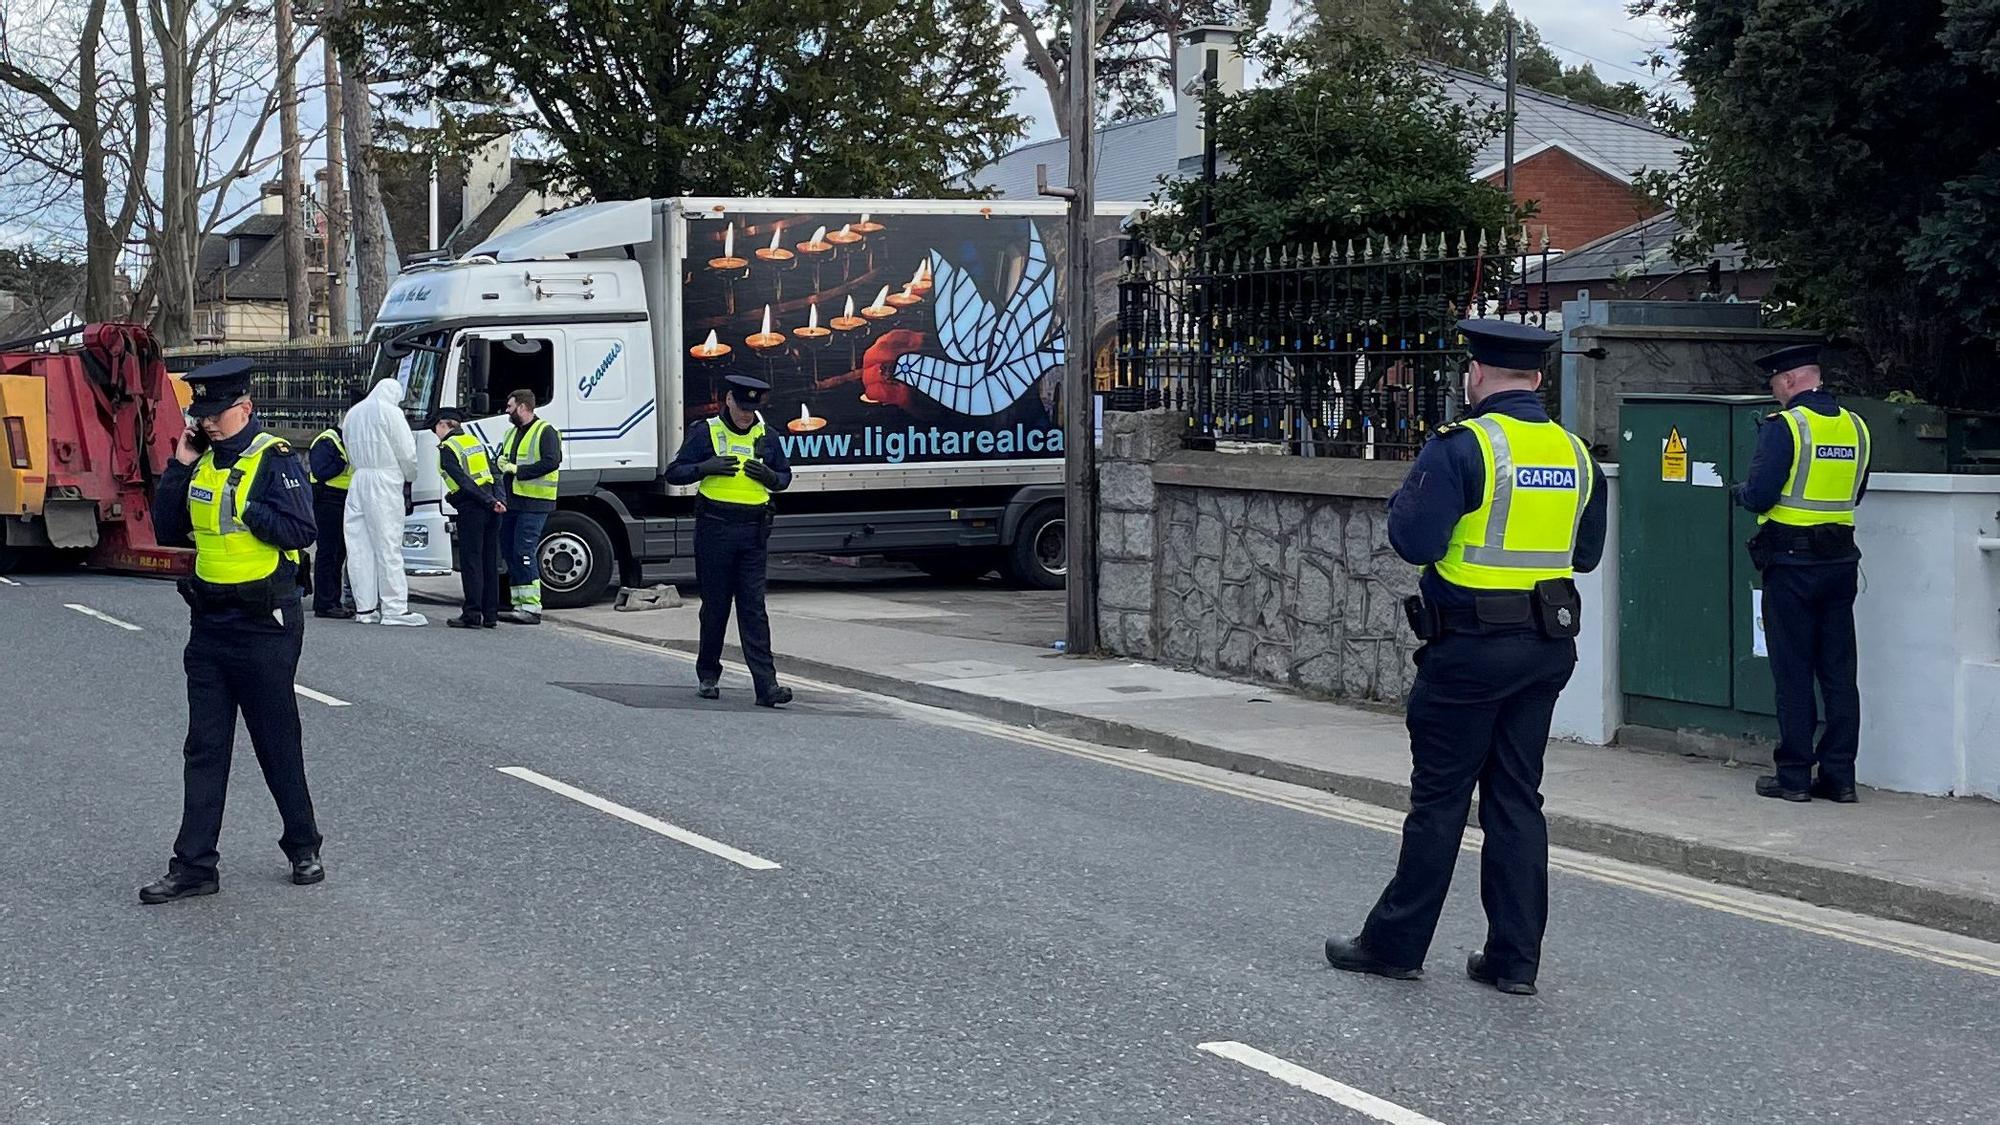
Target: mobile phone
pixel 197 439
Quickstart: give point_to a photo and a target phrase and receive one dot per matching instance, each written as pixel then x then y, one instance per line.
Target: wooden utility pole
pixel 336 200
pixel 1507 177
pixel 298 285
pixel 1079 380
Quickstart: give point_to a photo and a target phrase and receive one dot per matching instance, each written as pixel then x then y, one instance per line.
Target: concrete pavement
pixel 1923 860
pixel 966 924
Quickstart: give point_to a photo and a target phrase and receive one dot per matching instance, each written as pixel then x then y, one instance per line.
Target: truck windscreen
pixel 419 367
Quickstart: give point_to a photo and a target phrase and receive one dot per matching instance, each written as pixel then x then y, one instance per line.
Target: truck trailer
pixel 915 351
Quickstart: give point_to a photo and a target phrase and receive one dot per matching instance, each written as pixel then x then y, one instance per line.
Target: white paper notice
pixel 1705 475
pixel 1757 647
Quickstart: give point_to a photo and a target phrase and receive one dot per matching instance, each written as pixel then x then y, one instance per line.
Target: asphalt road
pixel 961 927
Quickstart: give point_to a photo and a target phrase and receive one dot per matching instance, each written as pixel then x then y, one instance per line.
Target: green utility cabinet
pixel 1688 636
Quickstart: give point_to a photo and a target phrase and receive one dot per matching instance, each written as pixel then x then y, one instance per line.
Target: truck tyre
pixel 576 561
pixel 1038 558
pixel 959 566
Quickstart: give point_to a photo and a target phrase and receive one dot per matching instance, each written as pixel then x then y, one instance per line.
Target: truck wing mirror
pixel 478 364
pixel 482 403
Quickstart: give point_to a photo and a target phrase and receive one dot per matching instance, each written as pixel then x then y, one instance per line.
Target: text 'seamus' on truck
pixel 914 349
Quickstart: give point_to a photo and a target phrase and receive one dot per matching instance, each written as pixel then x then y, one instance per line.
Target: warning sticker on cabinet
pixel 1674 458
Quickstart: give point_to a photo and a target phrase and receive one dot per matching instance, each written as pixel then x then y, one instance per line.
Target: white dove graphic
pixel 991 357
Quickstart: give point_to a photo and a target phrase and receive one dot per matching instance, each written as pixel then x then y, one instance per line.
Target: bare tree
pixel 219 94
pixel 371 243
pixel 79 121
pixel 336 200
pixel 298 285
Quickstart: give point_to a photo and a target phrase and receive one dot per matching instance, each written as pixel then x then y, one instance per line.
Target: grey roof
pixel 1644 249
pixel 259 274
pixel 1131 158
pixel 1134 155
pixel 1629 145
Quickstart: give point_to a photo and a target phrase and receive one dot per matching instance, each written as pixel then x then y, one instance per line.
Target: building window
pixel 235 252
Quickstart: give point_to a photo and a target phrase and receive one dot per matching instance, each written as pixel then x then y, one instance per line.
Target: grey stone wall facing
pixel 1272 570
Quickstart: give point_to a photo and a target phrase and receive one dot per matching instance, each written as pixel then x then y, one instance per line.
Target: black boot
pixel 1840 793
pixel 1768 786
pixel 778 697
pixel 1351 957
pixel 178 884
pixel 1478 969
pixel 307 869
pixel 708 690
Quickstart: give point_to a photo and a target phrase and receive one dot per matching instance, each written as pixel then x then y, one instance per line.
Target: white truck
pixel 915 351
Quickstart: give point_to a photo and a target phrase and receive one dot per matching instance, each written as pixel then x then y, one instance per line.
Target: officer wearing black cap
pixel 737 465
pixel 1807 475
pixel 239 496
pixel 1500 509
pixel 467 467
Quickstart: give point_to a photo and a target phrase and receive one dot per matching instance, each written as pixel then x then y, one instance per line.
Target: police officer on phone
pixel 737 465
pixel 240 497
pixel 1500 509
pixel 1809 472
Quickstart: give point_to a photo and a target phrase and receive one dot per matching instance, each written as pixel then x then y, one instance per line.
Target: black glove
pixel 409 502
pixel 761 473
pixel 719 466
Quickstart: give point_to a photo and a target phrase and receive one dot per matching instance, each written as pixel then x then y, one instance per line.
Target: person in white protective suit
pixel 383 452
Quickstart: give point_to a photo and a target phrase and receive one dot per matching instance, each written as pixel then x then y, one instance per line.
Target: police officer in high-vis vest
pixel 331 473
pixel 240 497
pixel 467 468
pixel 1500 509
pixel 530 471
pixel 1808 473
pixel 738 465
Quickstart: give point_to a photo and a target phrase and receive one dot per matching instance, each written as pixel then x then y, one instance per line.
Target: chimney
pixel 273 200
pixel 1196 46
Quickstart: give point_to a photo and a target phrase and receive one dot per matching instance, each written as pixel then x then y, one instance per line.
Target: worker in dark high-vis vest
pixel 1501 509
pixel 326 461
pixel 1808 473
pixel 736 465
pixel 467 468
pixel 530 470
pixel 240 497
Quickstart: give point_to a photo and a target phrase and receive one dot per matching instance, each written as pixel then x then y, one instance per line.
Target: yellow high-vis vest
pixel 530 438
pixel 472 454
pixel 736 488
pixel 225 552
pixel 346 476
pixel 1538 480
pixel 1829 462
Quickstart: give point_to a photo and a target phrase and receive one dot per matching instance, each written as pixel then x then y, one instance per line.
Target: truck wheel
pixel 1039 557
pixel 959 566
pixel 576 561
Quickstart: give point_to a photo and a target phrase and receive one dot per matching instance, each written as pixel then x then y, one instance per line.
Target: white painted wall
pixel 1928 621
pixel 1929 625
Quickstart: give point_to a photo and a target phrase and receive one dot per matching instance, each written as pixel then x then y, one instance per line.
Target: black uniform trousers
pixel 329 512
pixel 1478 717
pixel 729 563
pixel 237 661
pixel 478 559
pixel 1809 630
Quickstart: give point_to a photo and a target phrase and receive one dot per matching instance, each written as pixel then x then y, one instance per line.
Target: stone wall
pixel 1271 569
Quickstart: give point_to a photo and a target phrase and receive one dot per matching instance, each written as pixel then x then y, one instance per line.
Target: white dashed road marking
pixel 101 616
pixel 650 823
pixel 1292 1074
pixel 319 697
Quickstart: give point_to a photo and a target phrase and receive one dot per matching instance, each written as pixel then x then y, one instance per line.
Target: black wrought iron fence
pixel 296 387
pixel 1345 352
